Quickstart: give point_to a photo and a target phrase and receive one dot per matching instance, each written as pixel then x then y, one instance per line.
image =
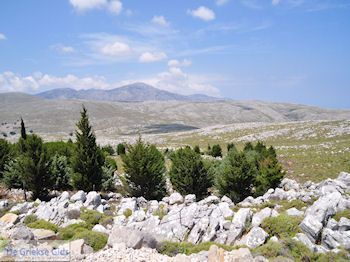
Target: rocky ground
pixel 139 227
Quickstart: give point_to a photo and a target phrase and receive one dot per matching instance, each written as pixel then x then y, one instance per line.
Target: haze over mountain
pixel 130 93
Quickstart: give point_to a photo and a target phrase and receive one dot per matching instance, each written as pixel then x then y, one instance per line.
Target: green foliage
pixel 96 240
pixel 121 149
pixel 127 212
pixel 282 226
pixel 285 204
pixel 188 174
pixel 88 158
pixel 60 172
pixel 91 217
pixel 173 248
pixel 23 130
pixel 68 232
pixel 144 166
pixel 106 220
pixel 231 146
pixel 5 153
pixel 108 169
pixel 108 150
pixel 216 151
pixel 161 212
pixel 60 148
pixel 249 172
pixel 197 149
pixel 345 213
pixel 235 175
pixel 271 249
pixel 43 224
pixel 30 219
pixel 12 174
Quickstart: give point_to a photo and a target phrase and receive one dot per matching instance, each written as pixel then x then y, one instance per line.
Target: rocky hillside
pixel 313 216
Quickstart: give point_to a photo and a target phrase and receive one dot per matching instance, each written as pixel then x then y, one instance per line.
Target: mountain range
pixel 136 92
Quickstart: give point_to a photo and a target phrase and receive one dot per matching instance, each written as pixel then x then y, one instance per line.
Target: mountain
pixel 136 92
pixel 56 118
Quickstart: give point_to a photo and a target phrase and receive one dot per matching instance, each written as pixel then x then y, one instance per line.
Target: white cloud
pixel 148 57
pixel 177 63
pixel 275 2
pixel 203 13
pixel 116 49
pixel 160 20
pixel 11 82
pixel 114 6
pixel 2 37
pixel 63 49
pixel 221 2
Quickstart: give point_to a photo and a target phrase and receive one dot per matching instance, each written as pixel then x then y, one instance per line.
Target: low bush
pixel 106 220
pixel 43 224
pixel 161 212
pixel 345 213
pixel 68 232
pixel 96 240
pixel 282 226
pixel 127 212
pixel 173 248
pixel 91 217
pixel 73 214
pixel 30 219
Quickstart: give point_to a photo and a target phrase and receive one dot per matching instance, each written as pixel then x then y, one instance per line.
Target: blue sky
pixel 275 50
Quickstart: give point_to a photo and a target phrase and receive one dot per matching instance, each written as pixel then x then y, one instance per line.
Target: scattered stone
pixel 344 224
pixel 260 216
pixel 22 233
pixel 44 234
pixel 294 212
pixel 255 238
pixel 175 198
pixel 9 218
pixel 79 196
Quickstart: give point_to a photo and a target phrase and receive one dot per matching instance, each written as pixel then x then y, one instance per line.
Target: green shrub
pixel 173 248
pixel 91 217
pixel 30 219
pixel 127 212
pixel 96 240
pixel 188 174
pixel 282 226
pixel 216 151
pixel 68 232
pixel 106 220
pixel 345 213
pixel 43 224
pixel 161 212
pixel 270 250
pixel 296 203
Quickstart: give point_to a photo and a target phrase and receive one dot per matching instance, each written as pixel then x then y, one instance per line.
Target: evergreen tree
pixel 23 130
pixel 5 152
pixel 216 151
pixel 197 149
pixel 108 169
pixel 32 168
pixel 121 149
pixel 188 174
pixel 88 158
pixel 60 172
pixel 144 166
pixel 235 176
pixel 12 176
pixel 231 146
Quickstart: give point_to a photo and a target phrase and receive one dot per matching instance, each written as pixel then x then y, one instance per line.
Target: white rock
pixel 175 198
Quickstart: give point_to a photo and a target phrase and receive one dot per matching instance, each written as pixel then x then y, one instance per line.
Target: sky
pixel 294 51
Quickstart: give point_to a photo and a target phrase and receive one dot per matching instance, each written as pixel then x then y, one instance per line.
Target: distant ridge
pixel 137 92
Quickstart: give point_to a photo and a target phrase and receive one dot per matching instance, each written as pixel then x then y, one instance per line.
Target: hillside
pixel 56 118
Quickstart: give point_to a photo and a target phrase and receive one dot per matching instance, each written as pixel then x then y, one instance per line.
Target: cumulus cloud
pixel 221 2
pixel 114 6
pixel 116 49
pixel 12 82
pixel 2 37
pixel 160 20
pixel 148 57
pixel 63 49
pixel 177 63
pixel 203 13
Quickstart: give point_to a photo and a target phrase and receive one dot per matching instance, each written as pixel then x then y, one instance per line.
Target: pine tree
pixel 88 158
pixel 144 166
pixel 60 172
pixel 23 130
pixel 121 149
pixel 216 151
pixel 197 149
pixel 188 174
pixel 231 146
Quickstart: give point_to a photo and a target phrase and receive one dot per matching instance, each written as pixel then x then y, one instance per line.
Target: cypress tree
pixel 144 166
pixel 216 151
pixel 88 158
pixel 188 174
pixel 23 130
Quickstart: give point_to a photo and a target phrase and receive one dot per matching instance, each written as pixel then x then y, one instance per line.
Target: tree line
pixel 39 167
